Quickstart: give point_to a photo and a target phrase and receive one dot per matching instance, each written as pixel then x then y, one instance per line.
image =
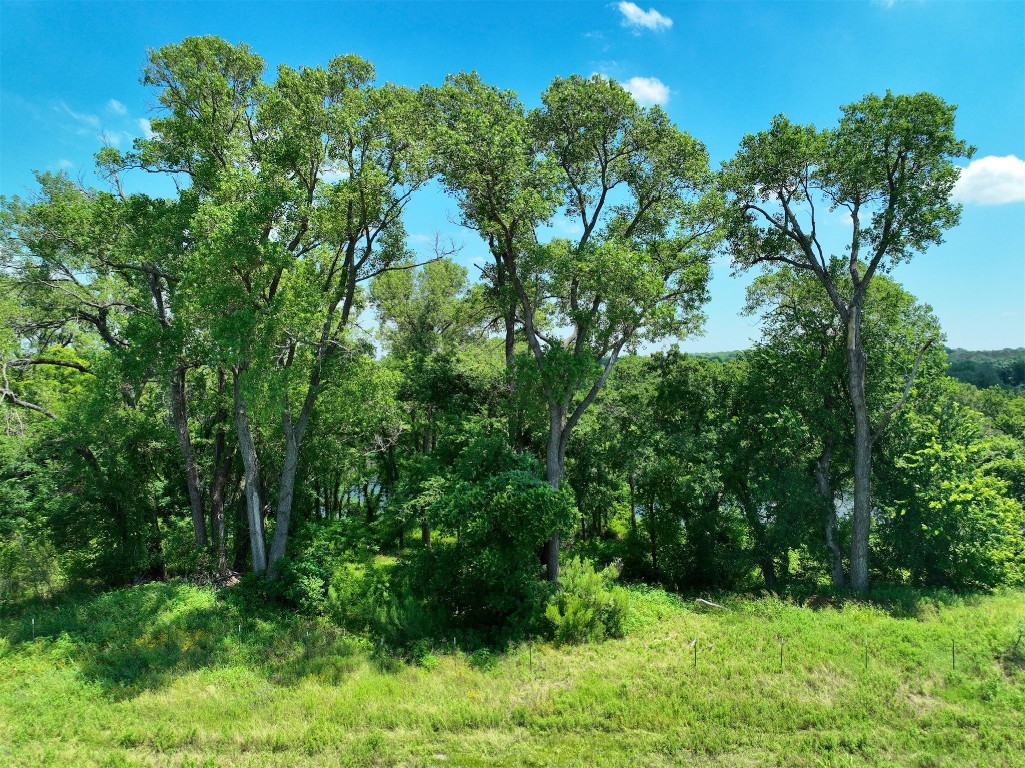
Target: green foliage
pixel 359 598
pixel 494 513
pixel 949 519
pixel 588 606
pixel 1004 368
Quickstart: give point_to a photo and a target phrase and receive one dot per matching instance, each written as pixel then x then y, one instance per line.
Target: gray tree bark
pixel 254 507
pixel 222 461
pixel 862 516
pixel 825 485
pixel 180 415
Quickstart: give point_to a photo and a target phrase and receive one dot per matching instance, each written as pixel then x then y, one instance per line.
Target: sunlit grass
pixel 162 675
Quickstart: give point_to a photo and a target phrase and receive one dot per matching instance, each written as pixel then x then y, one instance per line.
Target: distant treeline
pixel 981 368
pixel 1000 367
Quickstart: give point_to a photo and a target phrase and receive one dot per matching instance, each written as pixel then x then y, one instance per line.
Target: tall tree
pixel 632 187
pixel 110 262
pixel 302 184
pixel 889 165
pixel 426 317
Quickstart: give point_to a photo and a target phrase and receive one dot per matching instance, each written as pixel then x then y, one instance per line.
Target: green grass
pixel 161 675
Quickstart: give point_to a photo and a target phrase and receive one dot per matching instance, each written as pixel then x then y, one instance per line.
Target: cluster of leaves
pixel 494 512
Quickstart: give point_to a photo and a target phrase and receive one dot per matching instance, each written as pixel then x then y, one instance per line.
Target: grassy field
pixel 169 674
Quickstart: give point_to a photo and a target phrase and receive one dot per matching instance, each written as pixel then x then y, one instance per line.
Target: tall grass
pixel 170 674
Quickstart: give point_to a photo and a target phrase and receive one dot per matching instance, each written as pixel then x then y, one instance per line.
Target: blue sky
pixel 69 79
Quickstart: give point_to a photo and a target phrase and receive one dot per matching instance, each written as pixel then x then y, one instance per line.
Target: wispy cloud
pixel 116 107
pixel 992 180
pixel 633 16
pixel 647 90
pixel 65 165
pixel 146 128
pixel 113 138
pixel 568 227
pixel 84 119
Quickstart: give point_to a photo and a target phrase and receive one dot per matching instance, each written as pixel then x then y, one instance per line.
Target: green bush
pixel 317 562
pixel 358 597
pixel 493 514
pixel 588 607
pixel 947 521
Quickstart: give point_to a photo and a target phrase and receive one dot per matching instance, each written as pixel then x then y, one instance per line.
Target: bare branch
pixel 884 421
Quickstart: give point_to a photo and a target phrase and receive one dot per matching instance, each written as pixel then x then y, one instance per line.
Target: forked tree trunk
pixel 862 516
pixel 180 415
pixel 286 488
pixel 825 485
pixel 254 507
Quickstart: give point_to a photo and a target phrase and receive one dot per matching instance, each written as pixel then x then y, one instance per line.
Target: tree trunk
pixel 509 303
pixel 155 548
pixel 651 536
pixel 286 492
pixel 180 415
pixel 222 470
pixel 254 507
pixel 219 484
pixel 762 553
pixel 554 464
pixel 425 532
pixel 286 488
pixel 633 508
pixel 824 481
pixel 240 534
pixel 862 517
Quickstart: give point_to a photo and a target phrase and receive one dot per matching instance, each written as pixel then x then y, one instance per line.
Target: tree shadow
pixel 897 600
pixel 141 638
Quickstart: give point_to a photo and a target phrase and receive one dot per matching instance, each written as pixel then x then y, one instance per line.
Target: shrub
pixel 494 513
pixel 588 606
pixel 358 597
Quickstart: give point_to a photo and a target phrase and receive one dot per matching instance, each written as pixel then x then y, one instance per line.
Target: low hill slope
pixel 166 674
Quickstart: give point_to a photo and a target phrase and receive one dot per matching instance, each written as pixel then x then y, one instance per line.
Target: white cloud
pixel 113 138
pixel 87 120
pixel 117 107
pixel 647 90
pixel 633 16
pixel 568 227
pixel 992 181
pixel 330 175
pixel 65 165
pixel 146 128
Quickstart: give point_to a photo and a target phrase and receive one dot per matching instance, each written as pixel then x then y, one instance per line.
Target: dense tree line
pixel 192 384
pixel 993 368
